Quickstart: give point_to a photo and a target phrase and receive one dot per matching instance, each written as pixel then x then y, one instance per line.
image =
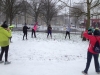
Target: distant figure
pixel 5 34
pixel 25 31
pixel 11 28
pixel 34 29
pixel 67 32
pixel 49 31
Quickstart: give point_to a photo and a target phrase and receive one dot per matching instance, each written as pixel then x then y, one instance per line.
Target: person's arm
pixel 85 34
pixel 51 28
pixel 28 27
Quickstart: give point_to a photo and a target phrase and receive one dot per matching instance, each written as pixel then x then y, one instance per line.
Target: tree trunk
pixel 88 18
pixel 88 15
pixel 11 20
pixel 25 16
pixel 36 18
pixel 6 19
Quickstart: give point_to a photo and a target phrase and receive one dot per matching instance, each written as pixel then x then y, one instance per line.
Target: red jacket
pixel 92 40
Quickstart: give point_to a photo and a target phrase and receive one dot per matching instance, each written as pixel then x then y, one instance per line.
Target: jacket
pixel 4 37
pixel 49 28
pixel 92 40
pixel 25 29
pixel 35 27
pixel 68 29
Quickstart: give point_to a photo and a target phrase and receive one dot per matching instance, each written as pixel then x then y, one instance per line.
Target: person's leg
pixel 32 33
pixel 23 35
pixel 89 57
pixel 10 39
pixel 47 34
pixel 69 34
pixel 26 35
pixel 96 56
pixel 6 53
pixel 66 34
pixel 51 34
pixel 2 51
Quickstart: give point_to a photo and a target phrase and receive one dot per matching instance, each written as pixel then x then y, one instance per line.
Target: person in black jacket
pixel 25 31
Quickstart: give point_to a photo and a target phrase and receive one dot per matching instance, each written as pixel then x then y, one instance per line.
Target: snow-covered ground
pixel 42 56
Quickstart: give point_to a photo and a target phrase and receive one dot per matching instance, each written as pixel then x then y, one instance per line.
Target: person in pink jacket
pixel 92 40
pixel 34 29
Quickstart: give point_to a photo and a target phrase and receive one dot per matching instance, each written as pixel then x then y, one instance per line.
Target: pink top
pixel 35 26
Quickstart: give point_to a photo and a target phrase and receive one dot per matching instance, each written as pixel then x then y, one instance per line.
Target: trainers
pixel 7 62
pixel 84 73
pixel 1 61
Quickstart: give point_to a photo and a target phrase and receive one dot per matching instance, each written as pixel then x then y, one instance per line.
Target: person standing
pixel 92 38
pixel 34 29
pixel 11 28
pixel 25 28
pixel 67 32
pixel 5 34
pixel 49 31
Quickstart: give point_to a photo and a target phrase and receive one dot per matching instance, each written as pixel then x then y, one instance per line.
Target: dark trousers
pixel 89 57
pixel 25 34
pixel 33 31
pixel 4 49
pixel 49 32
pixel 67 33
pixel 10 39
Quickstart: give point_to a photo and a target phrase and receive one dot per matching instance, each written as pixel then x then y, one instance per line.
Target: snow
pixel 42 56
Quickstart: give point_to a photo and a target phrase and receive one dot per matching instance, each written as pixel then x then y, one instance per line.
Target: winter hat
pixel 4 25
pixel 96 32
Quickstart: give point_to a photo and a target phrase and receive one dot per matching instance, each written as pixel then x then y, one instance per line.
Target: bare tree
pixel 10 8
pixel 24 8
pixel 77 13
pixel 34 9
pixel 90 5
pixel 48 10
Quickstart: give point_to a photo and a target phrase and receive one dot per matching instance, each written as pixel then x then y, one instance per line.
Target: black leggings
pixel 33 31
pixel 67 32
pixel 89 57
pixel 49 32
pixel 25 34
pixel 4 49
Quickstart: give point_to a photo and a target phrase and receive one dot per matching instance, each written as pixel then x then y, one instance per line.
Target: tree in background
pixel 91 4
pixel 34 9
pixel 77 13
pixel 24 8
pixel 49 10
pixel 10 8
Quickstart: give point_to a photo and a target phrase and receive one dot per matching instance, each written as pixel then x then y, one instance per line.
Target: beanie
pixel 96 32
pixel 4 25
